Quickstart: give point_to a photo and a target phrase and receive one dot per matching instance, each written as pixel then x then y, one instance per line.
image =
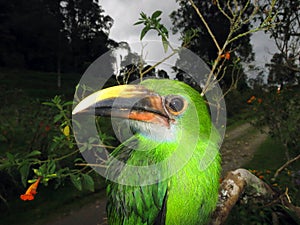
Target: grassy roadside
pixel 39 85
pixel 269 156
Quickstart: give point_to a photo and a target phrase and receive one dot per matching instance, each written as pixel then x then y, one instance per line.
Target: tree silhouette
pixel 286 33
pixel 185 19
pixel 280 71
pixel 52 35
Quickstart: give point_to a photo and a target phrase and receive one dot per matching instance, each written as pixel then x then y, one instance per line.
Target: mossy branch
pixel 240 183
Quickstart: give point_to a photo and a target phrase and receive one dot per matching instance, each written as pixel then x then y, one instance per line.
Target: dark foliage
pixel 185 18
pixel 52 35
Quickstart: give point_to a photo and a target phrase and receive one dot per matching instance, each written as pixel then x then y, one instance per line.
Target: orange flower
pixel 261 177
pixel 226 55
pixel 31 191
pixel 259 100
pixel 251 99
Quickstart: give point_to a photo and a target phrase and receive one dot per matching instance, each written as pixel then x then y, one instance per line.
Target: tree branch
pixel 233 186
pixel 206 25
pixel 240 183
pixel 286 165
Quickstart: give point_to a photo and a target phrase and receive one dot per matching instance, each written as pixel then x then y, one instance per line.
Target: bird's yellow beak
pixel 133 102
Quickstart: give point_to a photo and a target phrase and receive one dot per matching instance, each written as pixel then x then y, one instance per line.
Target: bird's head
pixel 170 125
pixel 160 110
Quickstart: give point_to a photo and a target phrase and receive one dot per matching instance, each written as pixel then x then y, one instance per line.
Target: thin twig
pixel 206 25
pixel 90 164
pixel 98 145
pixel 286 165
pixel 222 11
pixel 3 199
pixel 158 63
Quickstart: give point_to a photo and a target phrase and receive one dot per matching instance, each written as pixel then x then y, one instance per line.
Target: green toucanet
pixel 170 166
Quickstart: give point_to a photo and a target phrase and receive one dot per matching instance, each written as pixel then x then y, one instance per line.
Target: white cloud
pixel 126 12
pixel 263 46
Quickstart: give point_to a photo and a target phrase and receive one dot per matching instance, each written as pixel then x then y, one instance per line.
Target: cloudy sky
pixel 126 12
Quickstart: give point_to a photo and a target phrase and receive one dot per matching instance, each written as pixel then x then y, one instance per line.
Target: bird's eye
pixel 175 104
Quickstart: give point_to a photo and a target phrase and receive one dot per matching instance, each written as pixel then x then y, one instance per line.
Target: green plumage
pixel 185 197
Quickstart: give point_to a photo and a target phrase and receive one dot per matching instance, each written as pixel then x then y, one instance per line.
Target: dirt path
pixel 92 214
pixel 239 145
pixel 238 148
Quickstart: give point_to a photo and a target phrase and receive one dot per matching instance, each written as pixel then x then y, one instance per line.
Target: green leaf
pixel 31 181
pixel 53 175
pixel 144 32
pixel 76 182
pixel 24 171
pixel 143 15
pixel 68 103
pixel 51 167
pixel 71 145
pixel 37 172
pixel 74 122
pixel 88 182
pixel 43 169
pixel 4 165
pixel 58 117
pixel 93 139
pixel 49 104
pixel 11 157
pixel 83 148
pixel 156 14
pixel 56 100
pixel 45 181
pixel 165 31
pixel 138 22
pixel 63 171
pixel 78 160
pixel 33 153
pixel 89 146
pixel 165 43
